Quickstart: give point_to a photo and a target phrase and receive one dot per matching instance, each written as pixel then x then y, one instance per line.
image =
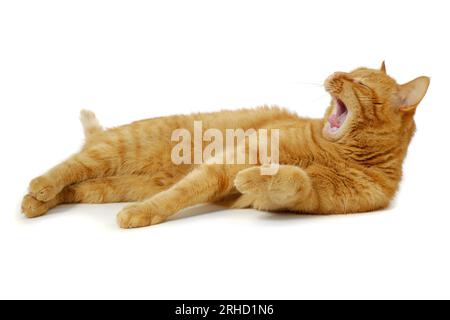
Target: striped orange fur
pixel 350 161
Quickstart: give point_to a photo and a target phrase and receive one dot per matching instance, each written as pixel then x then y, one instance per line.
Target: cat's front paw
pixel 33 208
pixel 251 181
pixel 42 189
pixel 139 215
pixel 288 184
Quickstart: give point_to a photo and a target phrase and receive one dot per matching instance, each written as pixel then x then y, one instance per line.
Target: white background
pixel 129 60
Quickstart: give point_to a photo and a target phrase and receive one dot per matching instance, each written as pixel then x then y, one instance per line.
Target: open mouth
pixel 340 113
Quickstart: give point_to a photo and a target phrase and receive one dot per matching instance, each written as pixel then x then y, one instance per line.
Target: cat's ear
pixel 383 67
pixel 410 94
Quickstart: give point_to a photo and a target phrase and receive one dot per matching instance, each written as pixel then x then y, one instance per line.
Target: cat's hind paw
pixel 33 208
pixel 42 189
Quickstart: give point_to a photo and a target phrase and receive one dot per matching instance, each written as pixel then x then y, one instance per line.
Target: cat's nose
pixel 334 83
pixel 337 75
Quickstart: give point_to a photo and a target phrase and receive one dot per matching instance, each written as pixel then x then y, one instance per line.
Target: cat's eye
pixel 358 81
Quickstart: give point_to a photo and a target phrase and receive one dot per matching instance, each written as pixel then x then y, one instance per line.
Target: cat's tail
pixel 91 126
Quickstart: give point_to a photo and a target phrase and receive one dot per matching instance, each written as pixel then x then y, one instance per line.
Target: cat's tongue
pixel 333 120
pixel 337 121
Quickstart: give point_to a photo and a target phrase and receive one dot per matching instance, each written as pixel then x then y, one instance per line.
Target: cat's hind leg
pixel 32 208
pixel 101 156
pixel 102 190
pixel 87 164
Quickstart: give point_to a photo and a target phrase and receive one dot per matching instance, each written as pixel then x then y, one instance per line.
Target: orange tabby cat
pixel 349 161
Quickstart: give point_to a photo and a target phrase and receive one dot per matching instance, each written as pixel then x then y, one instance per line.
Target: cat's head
pixel 368 102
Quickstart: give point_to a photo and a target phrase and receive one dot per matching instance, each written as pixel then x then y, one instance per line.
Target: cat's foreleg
pixel 288 188
pixel 206 183
pixel 314 190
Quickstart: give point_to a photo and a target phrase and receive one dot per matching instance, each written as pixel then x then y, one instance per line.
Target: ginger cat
pixel 350 161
